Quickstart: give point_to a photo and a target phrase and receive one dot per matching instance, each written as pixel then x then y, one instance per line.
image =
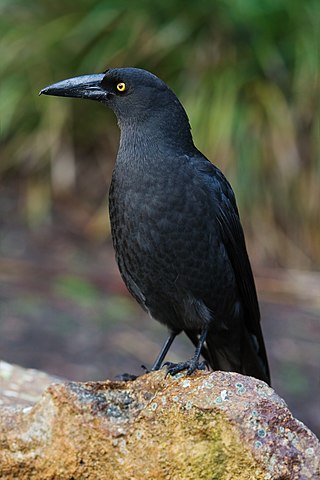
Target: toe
pixel 193 366
pixel 173 368
pixel 125 377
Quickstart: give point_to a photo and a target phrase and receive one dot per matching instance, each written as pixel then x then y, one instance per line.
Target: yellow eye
pixel 121 87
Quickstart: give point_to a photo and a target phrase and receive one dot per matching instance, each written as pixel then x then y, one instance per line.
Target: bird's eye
pixel 121 87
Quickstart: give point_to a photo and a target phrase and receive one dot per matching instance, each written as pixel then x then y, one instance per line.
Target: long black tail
pixel 250 358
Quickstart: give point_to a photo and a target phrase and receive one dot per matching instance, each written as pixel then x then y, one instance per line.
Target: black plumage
pixel 175 226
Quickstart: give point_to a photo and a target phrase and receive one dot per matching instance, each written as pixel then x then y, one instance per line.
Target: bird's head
pixel 142 102
pixel 132 93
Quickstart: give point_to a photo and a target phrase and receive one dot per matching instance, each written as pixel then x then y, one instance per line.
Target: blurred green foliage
pixel 81 290
pixel 246 71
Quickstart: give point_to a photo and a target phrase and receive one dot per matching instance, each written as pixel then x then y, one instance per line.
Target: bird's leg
pixel 192 364
pixel 163 352
pixel 125 377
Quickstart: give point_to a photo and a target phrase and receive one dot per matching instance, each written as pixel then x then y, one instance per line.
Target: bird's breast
pixel 163 201
pixel 161 222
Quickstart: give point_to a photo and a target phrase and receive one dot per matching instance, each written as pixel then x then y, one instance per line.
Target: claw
pixel 125 377
pixel 189 365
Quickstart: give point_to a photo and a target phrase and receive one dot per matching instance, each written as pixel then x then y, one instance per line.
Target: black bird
pixel 175 226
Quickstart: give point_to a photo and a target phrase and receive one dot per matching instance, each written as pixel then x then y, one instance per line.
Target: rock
pixel 22 386
pixel 207 426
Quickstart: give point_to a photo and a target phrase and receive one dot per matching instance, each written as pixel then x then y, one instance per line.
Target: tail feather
pixel 247 359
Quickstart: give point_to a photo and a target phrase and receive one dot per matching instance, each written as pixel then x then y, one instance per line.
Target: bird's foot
pixel 145 369
pixel 125 377
pixel 190 365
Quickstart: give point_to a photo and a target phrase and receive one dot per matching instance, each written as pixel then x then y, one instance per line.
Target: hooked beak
pixel 85 86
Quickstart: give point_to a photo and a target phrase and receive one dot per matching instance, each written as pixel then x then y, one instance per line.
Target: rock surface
pixel 208 426
pixel 22 386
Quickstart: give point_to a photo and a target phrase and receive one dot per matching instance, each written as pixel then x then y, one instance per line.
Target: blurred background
pixel 248 74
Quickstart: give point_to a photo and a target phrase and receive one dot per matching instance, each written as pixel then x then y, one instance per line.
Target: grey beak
pixel 86 86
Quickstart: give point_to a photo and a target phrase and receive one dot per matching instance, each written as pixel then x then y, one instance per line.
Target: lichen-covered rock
pixel 208 426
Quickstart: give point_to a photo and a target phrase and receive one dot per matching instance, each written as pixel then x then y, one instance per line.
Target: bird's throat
pixel 147 145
